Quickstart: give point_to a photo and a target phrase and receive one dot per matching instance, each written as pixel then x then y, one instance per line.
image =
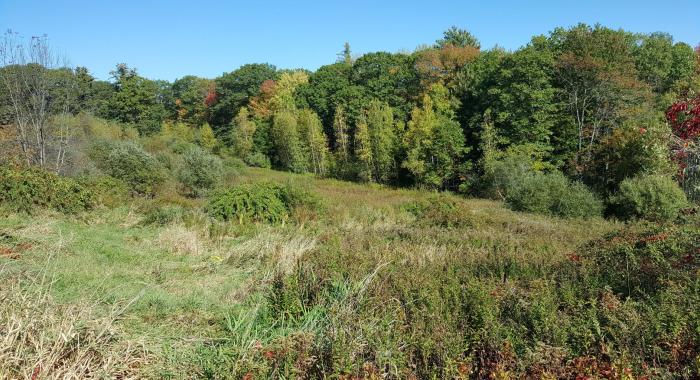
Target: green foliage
pixel 289 154
pixel 205 137
pixel 137 100
pixel 242 132
pixel 440 210
pixel 258 160
pixel 314 142
pixel 553 194
pixel 199 171
pixel 128 162
pixel 382 140
pixel 234 90
pixel 652 197
pixel 266 202
pixel 26 190
pixel 434 141
pixel 458 37
pixel 163 215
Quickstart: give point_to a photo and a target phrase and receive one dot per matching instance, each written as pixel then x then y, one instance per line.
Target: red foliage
pixel 211 96
pixel 684 116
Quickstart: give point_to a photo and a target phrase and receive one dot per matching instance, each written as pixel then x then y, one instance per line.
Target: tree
pixel 434 141
pixel 363 151
pixel 288 153
pixel 28 81
pixel 242 132
pixel 345 56
pixel 379 118
pixel 137 100
pixel 596 74
pixel 457 37
pixel 206 138
pixel 233 90
pixel 661 63
pixel 314 141
pixel 391 78
pixel 190 94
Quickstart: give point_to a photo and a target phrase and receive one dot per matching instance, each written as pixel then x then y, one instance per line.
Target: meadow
pixel 367 282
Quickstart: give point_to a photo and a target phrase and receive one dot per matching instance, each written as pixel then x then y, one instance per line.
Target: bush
pixel 24 190
pixel 199 171
pixel 651 197
pixel 258 160
pixel 553 194
pixel 439 210
pixel 108 191
pixel 264 202
pixel 128 162
pixel 164 215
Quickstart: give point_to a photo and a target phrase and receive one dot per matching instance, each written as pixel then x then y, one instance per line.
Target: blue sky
pixel 170 39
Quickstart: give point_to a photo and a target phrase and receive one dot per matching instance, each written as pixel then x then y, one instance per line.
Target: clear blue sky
pixel 170 39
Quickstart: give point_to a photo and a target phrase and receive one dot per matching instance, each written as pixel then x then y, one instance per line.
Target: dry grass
pixel 40 339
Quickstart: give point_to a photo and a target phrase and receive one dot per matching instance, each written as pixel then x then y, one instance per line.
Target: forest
pixel 447 212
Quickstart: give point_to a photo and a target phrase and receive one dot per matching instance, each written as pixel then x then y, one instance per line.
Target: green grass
pixel 362 287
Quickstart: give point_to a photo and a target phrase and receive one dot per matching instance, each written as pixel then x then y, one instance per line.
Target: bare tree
pixel 26 76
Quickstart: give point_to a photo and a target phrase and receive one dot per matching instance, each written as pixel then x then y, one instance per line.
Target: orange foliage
pixel 441 65
pixel 260 105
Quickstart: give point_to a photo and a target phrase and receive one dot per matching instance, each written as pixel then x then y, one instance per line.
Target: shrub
pixel 26 189
pixel 651 197
pixel 164 215
pixel 108 191
pixel 553 194
pixel 264 202
pixel 199 171
pixel 258 160
pixel 439 210
pixel 128 162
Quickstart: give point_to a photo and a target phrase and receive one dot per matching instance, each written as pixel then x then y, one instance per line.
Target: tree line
pixel 596 104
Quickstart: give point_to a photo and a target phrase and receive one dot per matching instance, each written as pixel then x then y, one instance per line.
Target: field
pixel 362 280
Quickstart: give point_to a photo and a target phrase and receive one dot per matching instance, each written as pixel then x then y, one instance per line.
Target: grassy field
pixel 362 286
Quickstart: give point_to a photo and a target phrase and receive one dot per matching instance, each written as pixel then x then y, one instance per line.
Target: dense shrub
pixel 258 160
pixel 128 162
pixel 108 191
pixel 163 215
pixel 27 189
pixel 439 210
pixel 651 197
pixel 553 194
pixel 199 171
pixel 264 202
